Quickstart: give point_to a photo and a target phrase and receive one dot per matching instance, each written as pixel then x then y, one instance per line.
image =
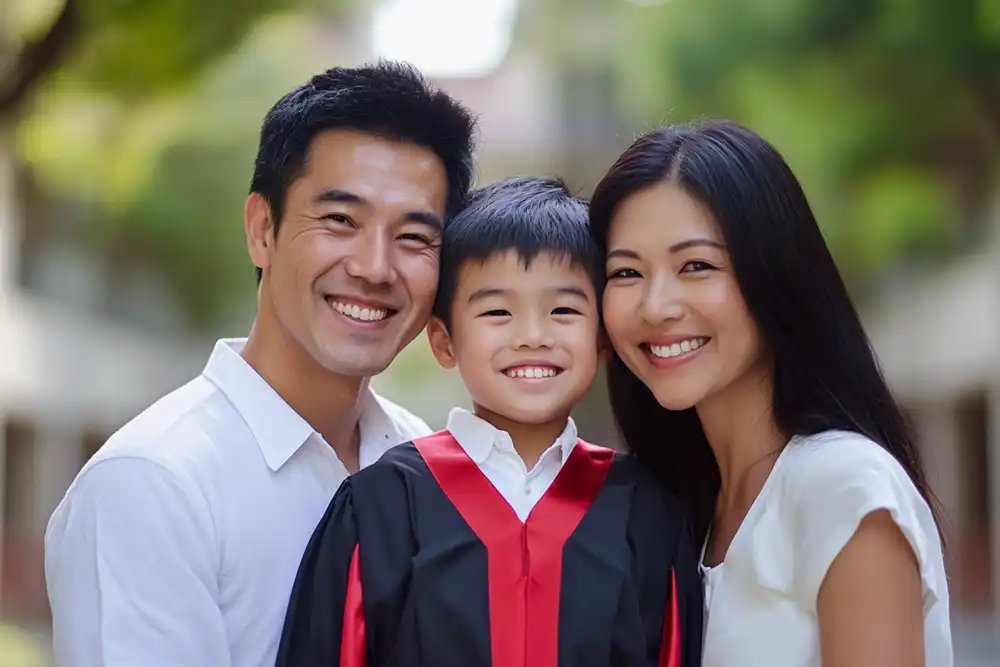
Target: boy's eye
pixel 496 312
pixel 565 310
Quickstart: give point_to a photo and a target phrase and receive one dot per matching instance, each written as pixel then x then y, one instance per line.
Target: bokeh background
pixel 128 130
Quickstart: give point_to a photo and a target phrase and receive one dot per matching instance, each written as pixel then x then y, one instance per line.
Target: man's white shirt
pixel 179 541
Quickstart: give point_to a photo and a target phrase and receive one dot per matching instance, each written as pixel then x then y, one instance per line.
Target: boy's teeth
pixel 362 313
pixel 532 372
pixel 677 349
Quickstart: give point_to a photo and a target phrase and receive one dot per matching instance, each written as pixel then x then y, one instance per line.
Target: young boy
pixel 504 540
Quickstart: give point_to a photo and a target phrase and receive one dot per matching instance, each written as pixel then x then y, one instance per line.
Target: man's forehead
pixel 389 175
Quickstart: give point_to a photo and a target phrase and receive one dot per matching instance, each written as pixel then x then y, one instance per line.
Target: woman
pixel 743 376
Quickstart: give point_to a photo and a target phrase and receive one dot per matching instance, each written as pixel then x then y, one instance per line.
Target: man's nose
pixel 371 259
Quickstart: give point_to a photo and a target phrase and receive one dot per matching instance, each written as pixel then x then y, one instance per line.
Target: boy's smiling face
pixel 524 338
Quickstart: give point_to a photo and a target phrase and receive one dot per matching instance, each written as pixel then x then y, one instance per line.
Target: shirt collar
pixel 479 438
pixel 278 429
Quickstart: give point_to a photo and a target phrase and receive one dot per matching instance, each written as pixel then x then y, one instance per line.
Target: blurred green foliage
pixel 888 111
pixel 145 123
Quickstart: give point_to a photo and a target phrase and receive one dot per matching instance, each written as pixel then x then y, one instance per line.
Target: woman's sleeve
pixel 833 487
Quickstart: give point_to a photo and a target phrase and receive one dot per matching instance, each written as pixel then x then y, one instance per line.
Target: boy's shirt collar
pixel 479 438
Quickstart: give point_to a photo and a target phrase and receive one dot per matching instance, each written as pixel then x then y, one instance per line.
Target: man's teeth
pixel 362 313
pixel 677 349
pixel 532 372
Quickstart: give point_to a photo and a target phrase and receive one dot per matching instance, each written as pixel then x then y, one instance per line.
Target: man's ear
pixel 440 340
pixel 259 230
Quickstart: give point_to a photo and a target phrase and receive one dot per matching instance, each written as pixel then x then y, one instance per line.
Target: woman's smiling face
pixel 672 307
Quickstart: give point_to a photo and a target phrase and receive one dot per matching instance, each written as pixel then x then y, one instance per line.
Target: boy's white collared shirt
pixel 493 452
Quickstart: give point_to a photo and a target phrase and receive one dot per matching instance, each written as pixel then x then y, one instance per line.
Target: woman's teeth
pixel 676 349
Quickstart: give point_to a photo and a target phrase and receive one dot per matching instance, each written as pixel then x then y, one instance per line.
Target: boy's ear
pixel 440 340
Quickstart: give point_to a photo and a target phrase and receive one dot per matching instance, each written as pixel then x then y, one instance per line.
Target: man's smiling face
pixel 353 267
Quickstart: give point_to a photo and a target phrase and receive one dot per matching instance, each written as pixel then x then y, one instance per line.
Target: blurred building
pixel 938 339
pixel 68 378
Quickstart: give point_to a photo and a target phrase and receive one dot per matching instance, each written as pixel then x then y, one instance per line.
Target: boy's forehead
pixel 511 271
pixel 511 264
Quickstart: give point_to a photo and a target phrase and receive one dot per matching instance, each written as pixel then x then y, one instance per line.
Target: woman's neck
pixel 740 428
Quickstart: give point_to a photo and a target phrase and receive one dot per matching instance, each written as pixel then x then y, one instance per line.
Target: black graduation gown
pixel 419 561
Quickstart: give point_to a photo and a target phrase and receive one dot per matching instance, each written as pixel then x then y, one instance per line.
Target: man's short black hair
pixel 528 215
pixel 388 100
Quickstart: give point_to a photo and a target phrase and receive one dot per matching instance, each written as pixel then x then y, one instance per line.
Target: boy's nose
pixel 534 335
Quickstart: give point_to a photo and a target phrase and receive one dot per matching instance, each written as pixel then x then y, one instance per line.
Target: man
pixel 178 543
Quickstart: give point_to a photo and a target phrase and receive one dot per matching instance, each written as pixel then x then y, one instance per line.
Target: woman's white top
pixel 761 602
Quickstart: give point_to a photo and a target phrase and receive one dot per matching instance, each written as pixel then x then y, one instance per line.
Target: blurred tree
pixel 140 113
pixel 889 112
pixel 130 48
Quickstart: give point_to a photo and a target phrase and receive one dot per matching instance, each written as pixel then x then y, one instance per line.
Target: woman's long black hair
pixel 824 371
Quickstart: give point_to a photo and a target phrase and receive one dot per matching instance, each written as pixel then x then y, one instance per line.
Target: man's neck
pixel 328 402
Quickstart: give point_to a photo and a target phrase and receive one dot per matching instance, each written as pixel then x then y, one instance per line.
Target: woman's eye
pixel 624 273
pixel 695 266
pixel 565 310
pixel 497 312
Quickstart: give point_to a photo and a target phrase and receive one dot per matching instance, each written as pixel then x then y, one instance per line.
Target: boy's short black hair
pixel 388 100
pixel 528 215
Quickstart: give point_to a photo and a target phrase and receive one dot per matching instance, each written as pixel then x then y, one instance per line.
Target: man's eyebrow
pixel 428 218
pixel 337 195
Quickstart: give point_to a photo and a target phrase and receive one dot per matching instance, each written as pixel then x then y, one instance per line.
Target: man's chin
pixel 357 361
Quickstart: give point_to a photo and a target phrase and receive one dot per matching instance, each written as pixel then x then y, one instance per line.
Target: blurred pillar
pixel 993 431
pixel 9 223
pixel 3 488
pixel 940 444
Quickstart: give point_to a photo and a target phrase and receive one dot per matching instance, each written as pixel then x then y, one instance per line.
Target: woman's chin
pixel 675 401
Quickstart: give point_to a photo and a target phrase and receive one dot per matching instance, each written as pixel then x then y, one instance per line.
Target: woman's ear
pixel 440 340
pixel 604 349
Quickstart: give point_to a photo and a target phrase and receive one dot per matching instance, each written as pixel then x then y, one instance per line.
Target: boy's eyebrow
pixel 336 195
pixel 487 292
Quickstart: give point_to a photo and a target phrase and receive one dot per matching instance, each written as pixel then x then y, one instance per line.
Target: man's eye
pixel 338 218
pixel 416 238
